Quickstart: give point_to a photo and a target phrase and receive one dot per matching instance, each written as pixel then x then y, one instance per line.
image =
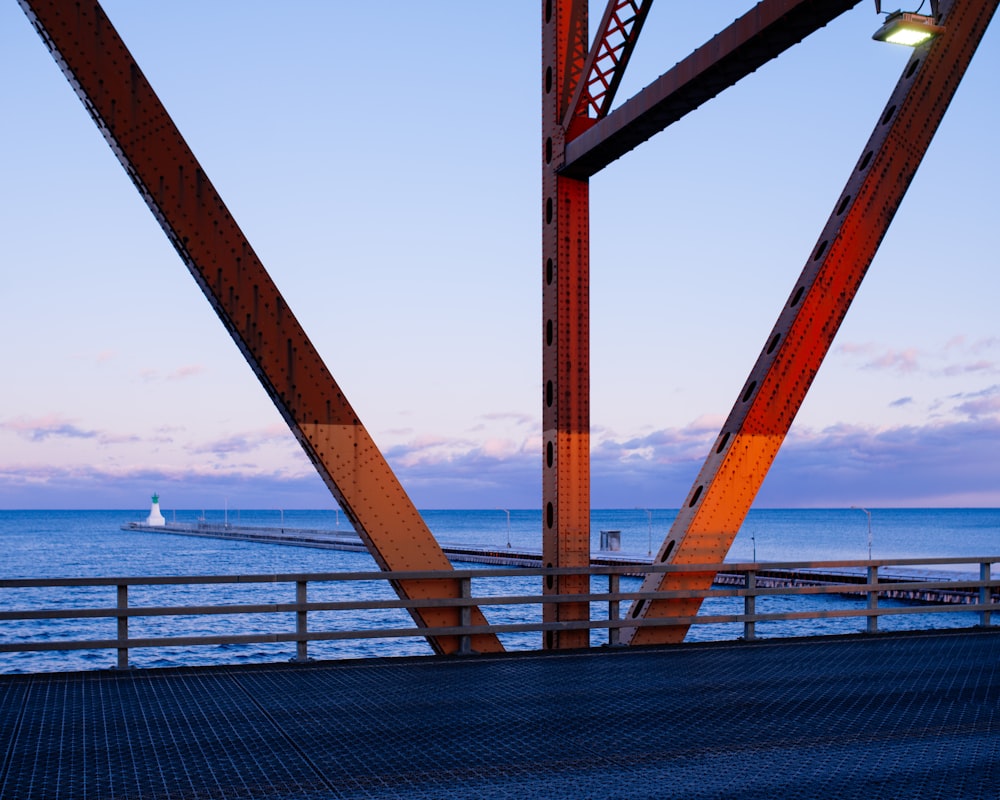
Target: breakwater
pixel 925 587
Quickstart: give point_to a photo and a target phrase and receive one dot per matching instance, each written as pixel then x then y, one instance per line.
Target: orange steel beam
pixel 568 70
pixel 748 443
pixel 761 34
pixel 112 87
pixel 566 327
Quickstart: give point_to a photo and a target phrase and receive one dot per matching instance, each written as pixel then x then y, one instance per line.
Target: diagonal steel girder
pixel 148 144
pixel 736 466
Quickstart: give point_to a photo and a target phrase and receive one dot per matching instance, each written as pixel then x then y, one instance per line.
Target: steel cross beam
pixel 752 40
pixel 168 176
pixel 763 413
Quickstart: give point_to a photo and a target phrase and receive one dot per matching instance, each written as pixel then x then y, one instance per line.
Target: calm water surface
pixel 54 544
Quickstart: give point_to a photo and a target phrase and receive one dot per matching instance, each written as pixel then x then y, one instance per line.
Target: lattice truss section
pixel 608 57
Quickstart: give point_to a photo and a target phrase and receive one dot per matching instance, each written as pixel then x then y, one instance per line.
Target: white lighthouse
pixel 155 517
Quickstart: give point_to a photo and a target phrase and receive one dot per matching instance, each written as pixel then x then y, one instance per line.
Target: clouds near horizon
pixel 946 457
pixel 424 300
pixel 938 464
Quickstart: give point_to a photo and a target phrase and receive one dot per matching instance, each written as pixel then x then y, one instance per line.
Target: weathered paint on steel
pixel 566 326
pixel 215 250
pixel 742 455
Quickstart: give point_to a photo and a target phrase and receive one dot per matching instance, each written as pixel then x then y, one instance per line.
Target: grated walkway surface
pixel 889 716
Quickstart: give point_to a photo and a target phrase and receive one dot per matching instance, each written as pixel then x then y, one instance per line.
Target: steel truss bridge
pixel 581 135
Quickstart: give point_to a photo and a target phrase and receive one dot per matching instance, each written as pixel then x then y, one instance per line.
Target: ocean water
pixel 58 544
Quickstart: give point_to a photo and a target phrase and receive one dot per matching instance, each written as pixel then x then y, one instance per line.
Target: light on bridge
pixel 910 29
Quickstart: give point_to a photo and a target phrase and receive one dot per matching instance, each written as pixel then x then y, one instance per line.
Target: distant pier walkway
pixel 519 557
pixel 889 716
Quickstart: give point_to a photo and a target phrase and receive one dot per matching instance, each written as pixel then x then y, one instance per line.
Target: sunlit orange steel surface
pixel 220 258
pixel 731 476
pixel 575 80
pixel 566 327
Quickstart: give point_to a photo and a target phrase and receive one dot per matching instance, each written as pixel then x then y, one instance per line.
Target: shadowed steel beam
pixel 566 328
pixel 742 454
pixel 119 98
pixel 608 58
pixel 751 41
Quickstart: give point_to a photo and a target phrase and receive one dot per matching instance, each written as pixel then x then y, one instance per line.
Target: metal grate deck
pixel 889 716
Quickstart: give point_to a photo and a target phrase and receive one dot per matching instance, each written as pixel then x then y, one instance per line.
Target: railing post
pixel 122 626
pixel 985 593
pixel 750 605
pixel 301 623
pixel 614 605
pixel 465 642
pixel 872 626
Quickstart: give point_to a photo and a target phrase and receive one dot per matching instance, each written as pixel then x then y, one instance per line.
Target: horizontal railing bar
pixel 343 605
pixel 807 579
pixel 151 611
pixel 472 630
pixel 368 633
pixel 855 588
pixel 506 572
pixel 881 611
pixel 968 586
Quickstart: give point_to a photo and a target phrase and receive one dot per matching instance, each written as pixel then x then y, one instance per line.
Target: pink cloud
pixel 881 357
pixel 855 348
pixel 247 442
pixel 187 371
pixel 984 403
pixel 39 429
pixel 896 360
pixel 975 366
pixel 512 417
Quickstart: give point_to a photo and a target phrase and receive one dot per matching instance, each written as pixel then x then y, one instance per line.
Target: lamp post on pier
pixel 869 513
pixel 505 511
pixel 649 541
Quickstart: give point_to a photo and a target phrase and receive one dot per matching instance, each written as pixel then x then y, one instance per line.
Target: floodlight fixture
pixel 902 27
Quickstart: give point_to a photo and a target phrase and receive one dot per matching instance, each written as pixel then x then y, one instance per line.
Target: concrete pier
pixel 518 557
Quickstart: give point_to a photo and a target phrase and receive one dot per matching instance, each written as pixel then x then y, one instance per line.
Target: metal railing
pixel 852 580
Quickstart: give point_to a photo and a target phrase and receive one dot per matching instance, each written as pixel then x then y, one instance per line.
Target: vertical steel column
pixel 566 326
pixel 764 411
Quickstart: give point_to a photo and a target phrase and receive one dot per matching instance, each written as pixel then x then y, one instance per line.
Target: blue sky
pixel 387 172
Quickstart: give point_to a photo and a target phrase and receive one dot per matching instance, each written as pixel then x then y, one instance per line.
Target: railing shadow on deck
pixel 860 585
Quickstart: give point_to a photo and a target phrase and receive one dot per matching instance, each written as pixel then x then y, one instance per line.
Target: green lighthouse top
pixel 156 497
